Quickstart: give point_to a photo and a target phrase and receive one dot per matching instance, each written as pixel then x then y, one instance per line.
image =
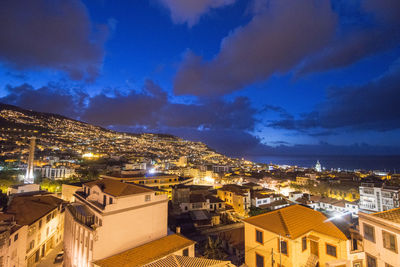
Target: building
pixel 169 251
pixel 22 188
pixel 106 212
pixel 56 173
pixel 36 226
pixel 302 181
pixel 299 236
pixel 318 167
pixel 375 198
pixel 237 196
pixel 381 234
pixel 158 181
pixel 259 198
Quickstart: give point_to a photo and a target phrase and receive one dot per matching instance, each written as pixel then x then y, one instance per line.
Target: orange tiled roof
pixel 295 221
pixel 117 188
pixel 147 253
pixel 182 261
pixel 392 215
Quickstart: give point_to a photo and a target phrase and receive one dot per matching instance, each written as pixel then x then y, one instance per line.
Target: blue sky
pixel 255 77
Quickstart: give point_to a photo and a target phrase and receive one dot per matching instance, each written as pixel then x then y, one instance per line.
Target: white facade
pixel 375 199
pixel 259 199
pixel 22 188
pixel 56 173
pixel 100 224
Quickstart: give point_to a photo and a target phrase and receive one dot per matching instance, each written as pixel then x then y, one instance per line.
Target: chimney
pixel 178 230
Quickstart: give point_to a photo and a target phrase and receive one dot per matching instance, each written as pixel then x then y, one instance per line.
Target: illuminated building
pixel 56 173
pixel 29 178
pixel 318 166
pixel 110 217
pixel 37 228
pixel 375 198
pixel 381 233
pixel 299 236
pixel 236 196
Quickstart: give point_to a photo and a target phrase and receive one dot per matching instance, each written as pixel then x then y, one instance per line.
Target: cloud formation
pixel 354 45
pixel 55 35
pixel 50 98
pixel 371 106
pixel 273 41
pixel 190 11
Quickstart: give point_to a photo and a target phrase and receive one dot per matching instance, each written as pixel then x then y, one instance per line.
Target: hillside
pixel 57 134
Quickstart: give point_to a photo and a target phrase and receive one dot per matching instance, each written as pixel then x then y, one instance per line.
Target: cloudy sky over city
pixel 247 77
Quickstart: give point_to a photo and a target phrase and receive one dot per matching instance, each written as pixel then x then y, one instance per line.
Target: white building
pixel 378 198
pixel 110 217
pixel 381 235
pixel 56 173
pixel 22 188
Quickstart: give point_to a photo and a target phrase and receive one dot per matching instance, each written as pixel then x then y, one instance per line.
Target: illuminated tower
pixel 29 179
pixel 318 167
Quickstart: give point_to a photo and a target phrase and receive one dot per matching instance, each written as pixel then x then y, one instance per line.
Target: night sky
pixel 247 77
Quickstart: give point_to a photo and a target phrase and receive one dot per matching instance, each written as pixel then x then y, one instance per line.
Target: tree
pixel 214 249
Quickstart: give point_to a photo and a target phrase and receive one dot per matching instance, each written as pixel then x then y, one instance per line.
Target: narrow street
pixel 49 259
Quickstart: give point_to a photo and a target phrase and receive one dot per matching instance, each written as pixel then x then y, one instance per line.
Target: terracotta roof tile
pixel 117 188
pixel 182 261
pixel 147 253
pixel 295 221
pixel 392 215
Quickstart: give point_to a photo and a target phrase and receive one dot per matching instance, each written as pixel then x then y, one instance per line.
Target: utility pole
pixel 280 251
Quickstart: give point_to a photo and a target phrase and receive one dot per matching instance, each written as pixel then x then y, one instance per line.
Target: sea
pixel 351 163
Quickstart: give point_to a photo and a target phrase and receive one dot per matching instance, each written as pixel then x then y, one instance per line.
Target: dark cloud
pixel 51 35
pixel 372 106
pixel 354 45
pixel 190 11
pixel 274 41
pixel 48 98
pixel 152 109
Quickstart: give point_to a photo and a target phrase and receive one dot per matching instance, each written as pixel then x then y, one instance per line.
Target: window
pixel 40 224
pixel 104 200
pixel 47 231
pixel 389 241
pixel 185 252
pixel 388 265
pixel 259 237
pixel 110 200
pixel 331 250
pixel 259 261
pixel 31 245
pixel 100 222
pixel 371 261
pixel 48 218
pixel 369 232
pixel 304 243
pixel 16 237
pixel 283 247
pixel 147 198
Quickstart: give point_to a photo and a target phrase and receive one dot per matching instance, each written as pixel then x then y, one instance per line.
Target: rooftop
pixel 117 188
pixel 182 261
pixel 28 209
pixel 392 215
pixel 147 253
pixel 295 221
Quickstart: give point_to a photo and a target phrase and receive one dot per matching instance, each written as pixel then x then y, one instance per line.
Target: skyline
pixel 245 77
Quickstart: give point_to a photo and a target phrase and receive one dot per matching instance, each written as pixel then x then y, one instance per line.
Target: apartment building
pixel 297 236
pixel 31 227
pixel 381 234
pixel 158 181
pixel 56 172
pixel 110 217
pixel 237 196
pixel 375 198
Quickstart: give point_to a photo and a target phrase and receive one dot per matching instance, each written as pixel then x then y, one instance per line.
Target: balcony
pixel 82 214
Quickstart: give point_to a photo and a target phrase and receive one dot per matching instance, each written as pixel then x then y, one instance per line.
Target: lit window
pixel 331 250
pixel 371 261
pixel 389 241
pixel 369 232
pixel 259 237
